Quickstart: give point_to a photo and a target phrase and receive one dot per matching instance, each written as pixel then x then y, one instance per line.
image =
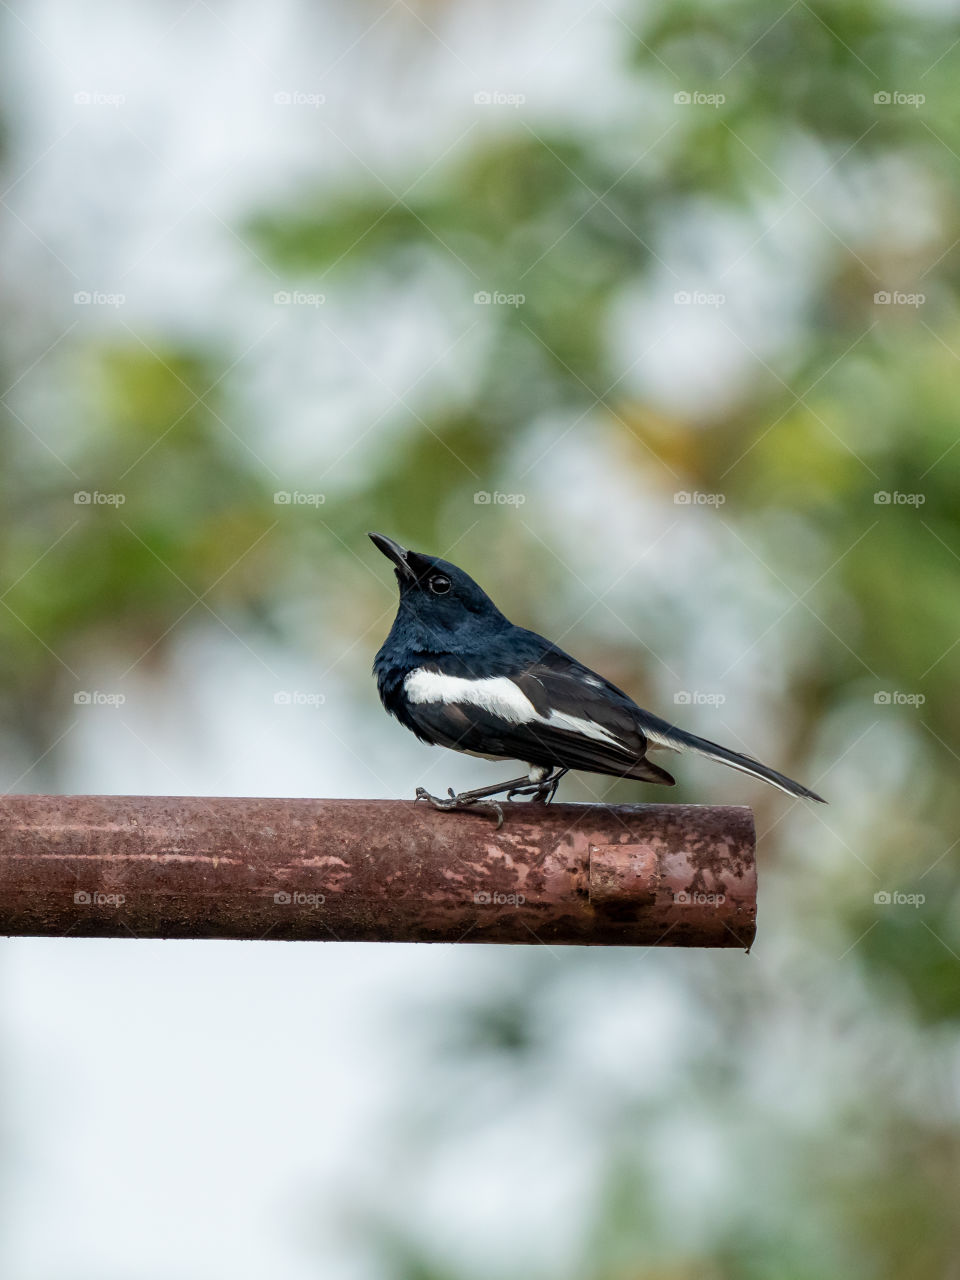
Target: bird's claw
pixel 463 803
pixel 438 802
pixel 538 793
pixel 494 808
pixel 524 790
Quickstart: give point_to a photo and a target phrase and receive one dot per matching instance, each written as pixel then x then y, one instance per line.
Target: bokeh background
pixel 647 315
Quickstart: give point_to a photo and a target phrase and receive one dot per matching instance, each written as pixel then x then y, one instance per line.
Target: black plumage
pixel 459 674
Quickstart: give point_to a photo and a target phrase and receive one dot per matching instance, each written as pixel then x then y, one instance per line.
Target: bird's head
pixel 438 601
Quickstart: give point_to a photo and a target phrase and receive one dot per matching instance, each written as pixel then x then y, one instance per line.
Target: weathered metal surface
pixel 376 870
pixel 623 873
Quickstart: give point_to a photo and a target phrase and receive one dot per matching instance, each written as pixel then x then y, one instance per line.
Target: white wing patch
pixel 495 694
pixel 501 697
pixel 576 724
pixel 656 739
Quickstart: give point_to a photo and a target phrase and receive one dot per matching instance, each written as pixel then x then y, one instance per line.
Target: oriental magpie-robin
pixel 459 674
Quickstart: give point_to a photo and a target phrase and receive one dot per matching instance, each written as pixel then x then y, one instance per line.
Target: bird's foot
pixel 542 791
pixel 532 789
pixel 549 789
pixel 462 802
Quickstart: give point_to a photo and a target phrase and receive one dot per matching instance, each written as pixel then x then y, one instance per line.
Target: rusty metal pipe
pixel 376 871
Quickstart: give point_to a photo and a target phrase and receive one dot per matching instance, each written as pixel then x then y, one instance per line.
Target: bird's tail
pixel 661 734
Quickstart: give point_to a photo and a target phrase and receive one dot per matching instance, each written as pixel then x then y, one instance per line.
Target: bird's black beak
pixel 393 551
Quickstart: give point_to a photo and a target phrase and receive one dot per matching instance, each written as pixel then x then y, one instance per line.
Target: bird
pixel 457 673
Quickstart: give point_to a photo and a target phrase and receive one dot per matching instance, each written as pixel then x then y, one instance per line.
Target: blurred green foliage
pixel 863 399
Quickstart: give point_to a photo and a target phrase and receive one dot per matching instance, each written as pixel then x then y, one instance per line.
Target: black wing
pixel 578 721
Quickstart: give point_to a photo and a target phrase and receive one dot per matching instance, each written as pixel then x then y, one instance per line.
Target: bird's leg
pixel 470 797
pixel 477 798
pixel 550 783
pixel 542 790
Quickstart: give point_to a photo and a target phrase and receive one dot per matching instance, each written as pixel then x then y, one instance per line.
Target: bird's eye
pixel 439 585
